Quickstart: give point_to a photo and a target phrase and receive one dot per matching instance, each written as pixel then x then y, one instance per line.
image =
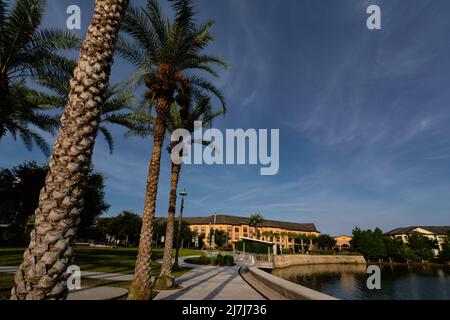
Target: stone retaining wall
pixel 286 288
pixel 286 260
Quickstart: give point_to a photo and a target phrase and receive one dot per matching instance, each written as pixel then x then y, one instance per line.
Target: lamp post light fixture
pixel 183 194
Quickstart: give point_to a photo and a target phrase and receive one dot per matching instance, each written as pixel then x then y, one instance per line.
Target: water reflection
pixel 398 282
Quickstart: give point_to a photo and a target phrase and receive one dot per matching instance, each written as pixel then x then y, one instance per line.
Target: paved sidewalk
pixel 86 274
pixel 97 293
pixel 200 283
pixel 211 283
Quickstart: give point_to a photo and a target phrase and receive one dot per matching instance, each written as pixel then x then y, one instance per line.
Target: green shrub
pixel 253 247
pixel 204 260
pixel 225 248
pixel 286 251
pixel 229 260
pixel 220 260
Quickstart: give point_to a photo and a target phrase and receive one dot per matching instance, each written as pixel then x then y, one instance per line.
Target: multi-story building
pixel 343 242
pixel 237 228
pixel 435 233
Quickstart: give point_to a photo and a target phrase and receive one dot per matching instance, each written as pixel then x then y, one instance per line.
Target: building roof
pixel 235 220
pixel 433 229
pixel 342 235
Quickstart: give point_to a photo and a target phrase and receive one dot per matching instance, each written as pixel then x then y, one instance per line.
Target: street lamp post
pixel 214 233
pixel 183 193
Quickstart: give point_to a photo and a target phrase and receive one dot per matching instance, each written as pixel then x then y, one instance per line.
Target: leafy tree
pixel 373 245
pixel 160 229
pixel 127 226
pixel 220 238
pixel 369 243
pixel 445 254
pixel 421 246
pixel 325 242
pixel 19 197
pixel 409 254
pixel 167 55
pixel 394 248
pixel 27 52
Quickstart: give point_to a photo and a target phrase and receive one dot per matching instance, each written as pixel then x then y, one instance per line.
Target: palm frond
pixel 3 11
pixel 30 137
pixel 129 52
pixel 159 25
pixel 184 18
pixel 54 39
pixel 20 27
pixel 108 138
pixel 204 84
pixel 136 23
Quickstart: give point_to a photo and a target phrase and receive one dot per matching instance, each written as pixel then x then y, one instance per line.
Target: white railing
pixel 253 259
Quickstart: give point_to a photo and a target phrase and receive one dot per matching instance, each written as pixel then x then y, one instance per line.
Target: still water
pixel 349 281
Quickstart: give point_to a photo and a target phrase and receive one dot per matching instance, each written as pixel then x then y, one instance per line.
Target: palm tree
pixel 117 108
pixel 163 51
pixel 255 219
pixel 41 274
pixel 181 117
pixel 19 112
pixel 26 51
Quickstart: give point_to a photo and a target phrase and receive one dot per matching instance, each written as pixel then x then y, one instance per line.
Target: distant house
pixel 343 242
pixel 238 228
pixel 435 233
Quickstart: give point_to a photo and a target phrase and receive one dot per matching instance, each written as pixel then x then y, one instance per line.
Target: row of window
pixel 236 235
pixel 229 229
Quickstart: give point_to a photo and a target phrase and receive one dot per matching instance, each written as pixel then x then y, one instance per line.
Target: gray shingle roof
pixel 442 230
pixel 235 220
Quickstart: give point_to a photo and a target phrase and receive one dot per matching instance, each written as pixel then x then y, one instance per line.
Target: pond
pixel 399 282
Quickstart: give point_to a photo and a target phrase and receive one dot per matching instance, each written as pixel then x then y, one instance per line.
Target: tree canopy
pixel 19 194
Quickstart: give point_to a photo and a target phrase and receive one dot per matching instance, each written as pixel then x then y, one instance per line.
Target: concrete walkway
pixel 86 274
pixel 200 283
pixel 97 293
pixel 92 293
pixel 210 283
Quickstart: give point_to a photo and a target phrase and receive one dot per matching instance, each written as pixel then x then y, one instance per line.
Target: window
pixel 196 229
pixel 236 229
pixel 203 230
pixel 229 229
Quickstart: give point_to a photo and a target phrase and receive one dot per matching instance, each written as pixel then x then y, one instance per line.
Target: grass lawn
pixel 117 260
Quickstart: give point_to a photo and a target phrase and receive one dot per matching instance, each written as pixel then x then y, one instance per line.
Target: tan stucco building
pixel 435 233
pixel 236 228
pixel 343 242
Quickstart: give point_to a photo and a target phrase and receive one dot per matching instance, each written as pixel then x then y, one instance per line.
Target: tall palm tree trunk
pixel 141 285
pixel 165 279
pixel 42 272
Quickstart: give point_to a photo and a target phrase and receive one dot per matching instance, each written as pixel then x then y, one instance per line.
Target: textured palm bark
pixel 42 274
pixel 165 279
pixel 141 287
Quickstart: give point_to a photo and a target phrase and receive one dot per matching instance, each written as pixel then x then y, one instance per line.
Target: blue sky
pixel 363 115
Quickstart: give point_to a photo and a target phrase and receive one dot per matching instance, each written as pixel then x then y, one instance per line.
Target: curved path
pixel 210 283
